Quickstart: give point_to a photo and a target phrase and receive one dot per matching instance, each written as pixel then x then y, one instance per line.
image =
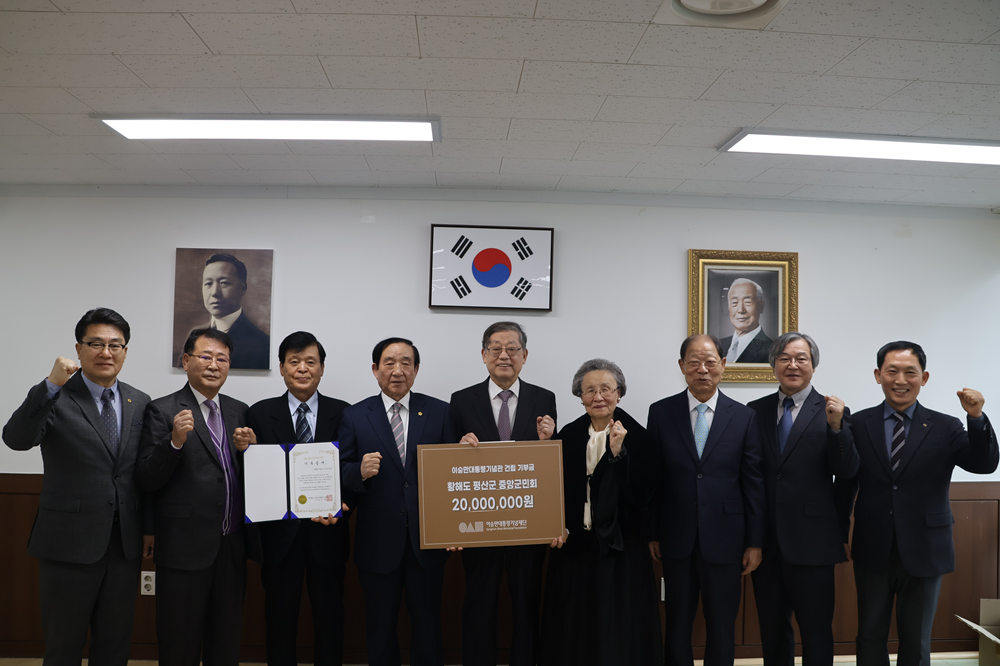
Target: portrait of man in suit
pixel 191 460
pixel 709 512
pixel 378 447
pixel 503 407
pixel 748 343
pixel 88 533
pixel 237 301
pixel 295 550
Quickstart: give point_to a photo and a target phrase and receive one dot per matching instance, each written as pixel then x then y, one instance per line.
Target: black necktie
pixel 898 441
pixel 303 433
pixel 110 419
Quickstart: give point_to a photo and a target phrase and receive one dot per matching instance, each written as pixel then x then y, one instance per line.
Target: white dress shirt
pixel 496 403
pixel 744 341
pixel 226 323
pixel 404 412
pixel 693 403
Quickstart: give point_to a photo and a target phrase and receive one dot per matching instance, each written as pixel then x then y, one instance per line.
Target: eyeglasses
pixel 98 347
pixel 694 365
pixel 511 351
pixel 605 391
pixel 787 360
pixel 207 360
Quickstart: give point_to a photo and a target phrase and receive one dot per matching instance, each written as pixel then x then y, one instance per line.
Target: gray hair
pixel 760 291
pixel 501 326
pixel 598 364
pixel 786 339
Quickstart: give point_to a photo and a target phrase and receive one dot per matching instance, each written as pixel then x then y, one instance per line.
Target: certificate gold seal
pixel 302 499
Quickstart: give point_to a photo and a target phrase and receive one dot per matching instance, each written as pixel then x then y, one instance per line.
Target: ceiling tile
pixel 498 180
pixel 303 162
pixel 72 124
pixel 734 189
pixel 988 172
pixel 509 8
pixel 283 34
pixel 635 11
pixel 211 147
pixel 226 71
pixel 830 193
pixel 965 21
pixel 60 70
pixel 711 171
pixel 411 148
pixel 413 73
pixel 623 152
pixel 963 127
pixel 513 105
pixel 133 177
pixel 165 100
pixel 603 184
pixel 980 199
pixel 16 161
pixel 939 184
pixel 906 167
pixel 375 178
pixel 229 6
pixel 476 128
pixel 45 32
pixel 924 61
pixel 570 167
pixel 255 177
pixel 695 135
pixel 40 100
pixel 68 145
pixel 971 99
pixel 460 164
pixel 166 162
pixel 866 121
pixel 13 124
pixel 603 79
pixel 36 177
pixel 558 150
pixel 454 37
pixel 764 162
pixel 995 39
pixel 807 89
pixel 682 46
pixel 817 177
pixel 685 111
pixel 528 129
pixel 362 102
pixel 27 6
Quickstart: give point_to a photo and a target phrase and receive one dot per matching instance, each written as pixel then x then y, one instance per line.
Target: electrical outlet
pixel 147 583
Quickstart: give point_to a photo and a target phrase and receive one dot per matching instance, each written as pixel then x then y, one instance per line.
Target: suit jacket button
pixel 894 488
pixel 218 504
pixel 402 513
pixel 779 476
pixel 406 484
pixel 111 502
pixel 890 512
pixel 117 477
pixel 699 475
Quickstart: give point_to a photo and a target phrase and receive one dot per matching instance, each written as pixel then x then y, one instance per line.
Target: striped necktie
pixel 503 419
pixel 396 423
pixel 303 433
pixel 898 440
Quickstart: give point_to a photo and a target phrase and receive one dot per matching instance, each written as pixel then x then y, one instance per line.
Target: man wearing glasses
pixel 88 531
pixel 191 457
pixel 502 408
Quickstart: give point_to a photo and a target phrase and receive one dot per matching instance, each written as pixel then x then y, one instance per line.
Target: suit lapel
pixel 325 432
pixel 379 420
pixel 282 421
pixel 188 400
pixel 723 412
pixel 81 396
pixel 415 430
pixel 919 427
pixel 523 415
pixel 813 404
pixel 231 419
pixel 767 415
pixel 682 417
pixel 875 427
pixel 484 411
pixel 128 413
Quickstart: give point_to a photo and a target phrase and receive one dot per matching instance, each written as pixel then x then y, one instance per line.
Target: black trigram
pixel 462 246
pixel 520 289
pixel 460 286
pixel 522 249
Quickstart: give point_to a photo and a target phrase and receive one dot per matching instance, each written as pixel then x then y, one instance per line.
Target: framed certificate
pixel 289 481
pixel 498 493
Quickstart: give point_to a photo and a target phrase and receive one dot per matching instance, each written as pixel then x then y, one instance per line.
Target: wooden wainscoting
pixel 976 507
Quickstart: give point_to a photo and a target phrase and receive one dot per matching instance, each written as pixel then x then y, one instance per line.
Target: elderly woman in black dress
pixel 601 603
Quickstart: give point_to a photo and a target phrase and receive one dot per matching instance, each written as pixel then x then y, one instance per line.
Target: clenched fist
pixel 243 438
pixel 369 465
pixel 972 402
pixel 183 424
pixel 62 370
pixel 546 427
pixel 834 411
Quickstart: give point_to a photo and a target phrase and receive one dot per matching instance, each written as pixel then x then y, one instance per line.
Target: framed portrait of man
pixel 746 299
pixel 229 290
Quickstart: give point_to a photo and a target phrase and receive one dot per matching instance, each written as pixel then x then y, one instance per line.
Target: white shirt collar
pixel 693 402
pixel 389 402
pixel 495 390
pixel 226 323
pixel 312 403
pixel 747 336
pixel 201 398
pixel 797 398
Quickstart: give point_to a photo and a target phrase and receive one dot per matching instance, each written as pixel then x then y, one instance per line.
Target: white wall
pixel 355 271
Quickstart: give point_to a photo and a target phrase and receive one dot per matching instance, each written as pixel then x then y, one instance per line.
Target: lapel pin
pixel 129 399
pixel 420 413
pixel 925 425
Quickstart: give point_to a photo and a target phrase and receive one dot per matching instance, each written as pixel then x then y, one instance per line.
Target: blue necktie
pixel 303 433
pixel 109 417
pixel 785 424
pixel 701 429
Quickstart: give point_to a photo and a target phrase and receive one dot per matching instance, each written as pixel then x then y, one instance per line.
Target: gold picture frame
pixel 711 275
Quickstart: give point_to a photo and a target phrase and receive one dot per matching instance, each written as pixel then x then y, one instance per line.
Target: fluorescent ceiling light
pixel 292 129
pixel 869 146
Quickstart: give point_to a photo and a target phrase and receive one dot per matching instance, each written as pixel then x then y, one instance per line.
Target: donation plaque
pixel 494 494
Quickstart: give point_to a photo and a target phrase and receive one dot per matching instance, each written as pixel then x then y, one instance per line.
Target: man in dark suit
pixel 806 441
pixel 710 504
pixel 502 408
pixel 191 459
pixel 378 447
pixel 902 519
pixel 88 534
pixel 223 286
pixel 297 549
pixel 748 344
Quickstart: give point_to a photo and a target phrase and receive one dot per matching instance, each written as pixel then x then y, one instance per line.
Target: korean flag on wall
pixel 491 267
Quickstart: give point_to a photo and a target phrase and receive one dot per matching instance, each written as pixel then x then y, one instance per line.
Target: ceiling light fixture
pixel 281 128
pixel 868 146
pixel 740 14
